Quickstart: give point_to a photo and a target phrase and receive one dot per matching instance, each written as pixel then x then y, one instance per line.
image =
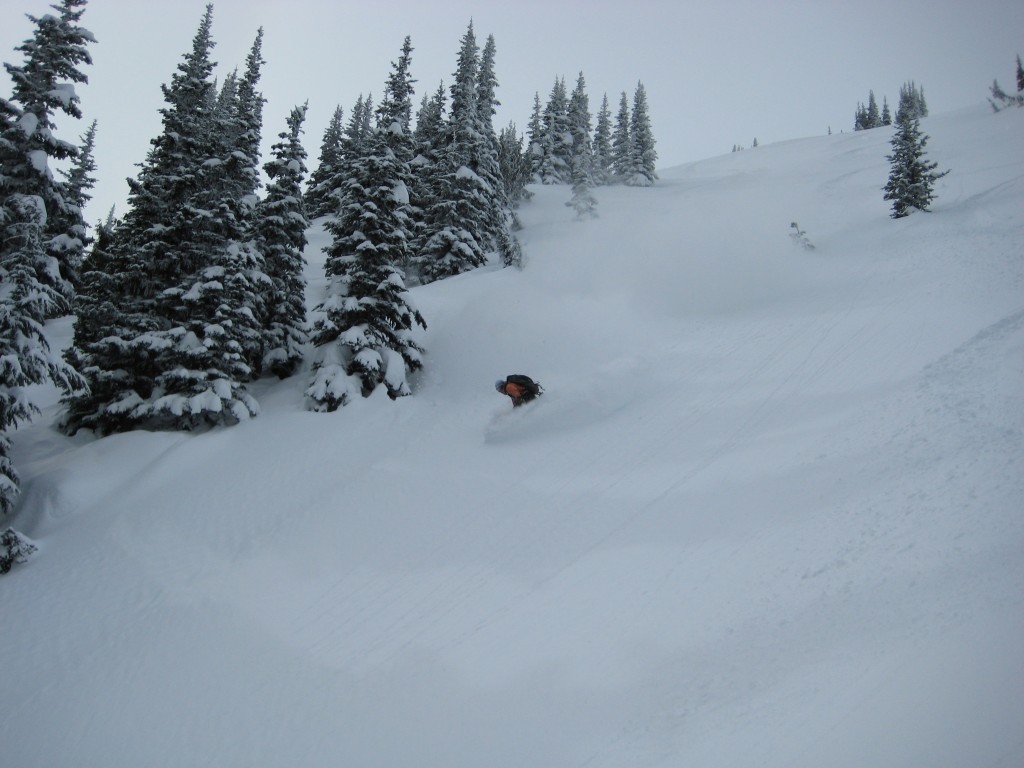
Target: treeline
pixel 911 104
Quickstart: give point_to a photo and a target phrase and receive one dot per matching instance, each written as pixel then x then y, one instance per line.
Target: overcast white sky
pixel 716 73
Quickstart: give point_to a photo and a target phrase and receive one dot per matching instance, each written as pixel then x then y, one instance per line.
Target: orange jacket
pixel 514 391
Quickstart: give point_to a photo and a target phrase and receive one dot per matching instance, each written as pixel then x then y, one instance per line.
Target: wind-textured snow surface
pixel 768 512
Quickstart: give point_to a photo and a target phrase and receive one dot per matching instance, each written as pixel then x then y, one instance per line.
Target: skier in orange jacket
pixel 522 389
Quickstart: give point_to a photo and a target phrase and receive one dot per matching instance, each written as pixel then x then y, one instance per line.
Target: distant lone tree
pixel 912 178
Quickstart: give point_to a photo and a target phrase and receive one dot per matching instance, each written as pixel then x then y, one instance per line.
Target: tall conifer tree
pixel 911 178
pixel 172 357
pixel 281 224
pixel 582 200
pixel 43 87
pixel 603 144
pixel 622 143
pixel 644 156
pixel 33 208
pixel 318 189
pixel 367 319
pixel 458 225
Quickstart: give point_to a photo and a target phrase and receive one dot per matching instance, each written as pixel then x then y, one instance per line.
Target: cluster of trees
pixel 563 148
pixel 911 104
pixel 407 204
pixel 191 295
pixel 199 290
pixel 870 116
pixel 1000 99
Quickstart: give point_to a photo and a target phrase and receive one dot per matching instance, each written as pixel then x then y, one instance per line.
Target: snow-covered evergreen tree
pixel 500 222
pixel 179 273
pixel 874 117
pixel 394 123
pixel 317 191
pixel 429 134
pixel 602 144
pixel 912 178
pixel 70 234
pixel 427 167
pixel 351 148
pixel 514 163
pixel 25 354
pixel 459 223
pixel 535 135
pixel 33 279
pixel 641 136
pixel 43 86
pixel 281 224
pixel 367 319
pixel 622 143
pixel 582 200
pixel 556 166
pixel 860 118
pixel 394 113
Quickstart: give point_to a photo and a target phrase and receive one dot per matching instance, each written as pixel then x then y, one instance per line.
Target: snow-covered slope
pixel 767 513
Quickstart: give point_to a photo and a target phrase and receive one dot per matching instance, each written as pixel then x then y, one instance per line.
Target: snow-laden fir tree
pixel 364 331
pixel 73 237
pixel 500 223
pixel 427 166
pixel 181 273
pixel 211 342
pixel 118 314
pixel 43 86
pixel 556 165
pixel 582 200
pixel 622 143
pixel 459 223
pixel 603 170
pixel 641 137
pixel 394 119
pixel 514 163
pixel 237 313
pixel 351 148
pixel 281 225
pixel 26 358
pixel 535 133
pixel 911 178
pixel 317 190
pixel 32 287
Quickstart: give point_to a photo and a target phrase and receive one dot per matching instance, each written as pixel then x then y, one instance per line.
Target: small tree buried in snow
pixel 14 548
pixel 912 178
pixel 800 237
pixel 1000 99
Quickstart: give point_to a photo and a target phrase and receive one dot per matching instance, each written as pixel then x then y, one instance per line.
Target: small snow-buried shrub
pixel 800 236
pixel 14 548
